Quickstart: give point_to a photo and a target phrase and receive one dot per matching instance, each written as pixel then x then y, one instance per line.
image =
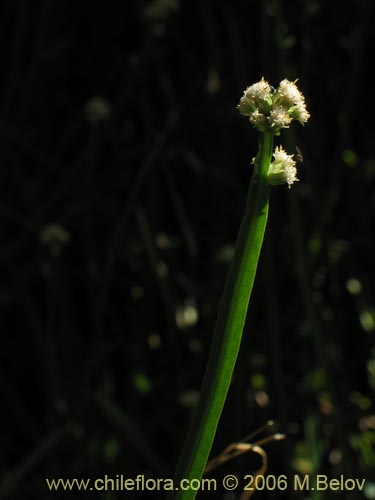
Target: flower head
pixel 282 170
pixel 256 97
pixel 260 90
pixel 271 109
pixel 289 92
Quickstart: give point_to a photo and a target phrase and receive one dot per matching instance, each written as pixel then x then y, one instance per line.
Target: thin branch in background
pixel 161 275
pixel 123 219
pixel 182 216
pixel 42 450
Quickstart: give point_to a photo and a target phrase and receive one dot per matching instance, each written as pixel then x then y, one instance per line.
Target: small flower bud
pixel 282 170
pixel 256 97
pixel 289 92
pixel 279 118
pixel 260 90
pixel 258 120
pixel 299 113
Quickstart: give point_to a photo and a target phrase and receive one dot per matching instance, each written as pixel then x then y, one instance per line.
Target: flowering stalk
pixel 268 111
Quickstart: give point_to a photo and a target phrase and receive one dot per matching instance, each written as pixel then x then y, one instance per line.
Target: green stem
pixel 229 326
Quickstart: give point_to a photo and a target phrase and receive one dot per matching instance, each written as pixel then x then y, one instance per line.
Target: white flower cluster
pixel 271 109
pixel 283 169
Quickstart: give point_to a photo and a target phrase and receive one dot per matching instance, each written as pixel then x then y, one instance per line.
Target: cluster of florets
pixel 283 169
pixel 272 109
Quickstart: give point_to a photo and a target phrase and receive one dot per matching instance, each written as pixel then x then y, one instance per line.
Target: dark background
pixel 124 168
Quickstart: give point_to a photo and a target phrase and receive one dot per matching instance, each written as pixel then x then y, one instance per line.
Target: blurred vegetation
pixel 124 171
